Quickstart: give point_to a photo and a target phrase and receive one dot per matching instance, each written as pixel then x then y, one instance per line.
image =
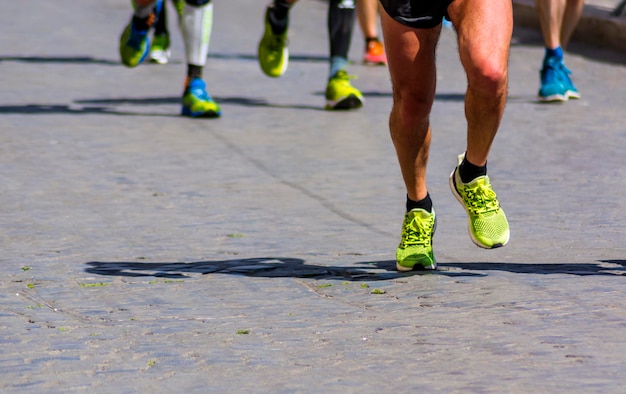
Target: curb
pixel 597 26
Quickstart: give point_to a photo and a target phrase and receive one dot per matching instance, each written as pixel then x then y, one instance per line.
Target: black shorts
pixel 422 14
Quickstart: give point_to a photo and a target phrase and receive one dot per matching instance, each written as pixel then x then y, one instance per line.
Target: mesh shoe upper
pixel 415 249
pixel 487 224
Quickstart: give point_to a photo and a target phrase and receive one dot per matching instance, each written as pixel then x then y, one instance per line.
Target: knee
pixel 411 107
pixel 489 77
pixel 197 3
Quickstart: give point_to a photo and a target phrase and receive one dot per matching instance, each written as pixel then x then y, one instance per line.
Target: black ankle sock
pixel 194 71
pixel 370 39
pixel 426 204
pixel 468 171
pixel 278 16
pixel 144 23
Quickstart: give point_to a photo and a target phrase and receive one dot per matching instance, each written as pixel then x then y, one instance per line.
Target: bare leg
pixel 479 22
pixel 367 11
pixel 571 17
pixel 413 78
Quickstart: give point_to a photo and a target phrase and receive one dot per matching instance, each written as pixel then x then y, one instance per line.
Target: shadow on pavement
pixel 266 267
pixel 547 269
pixel 59 59
pixel 280 267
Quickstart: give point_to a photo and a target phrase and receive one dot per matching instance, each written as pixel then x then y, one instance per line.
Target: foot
pixel 340 94
pixel 570 90
pixel 552 88
pixel 375 53
pixel 134 42
pixel 487 223
pixel 273 54
pixel 160 49
pixel 416 245
pixel 197 103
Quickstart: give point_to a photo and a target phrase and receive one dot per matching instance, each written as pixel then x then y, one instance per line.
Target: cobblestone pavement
pixel 145 252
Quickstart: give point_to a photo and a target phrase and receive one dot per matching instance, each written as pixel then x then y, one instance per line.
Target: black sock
pixel 194 71
pixel 143 23
pixel 278 16
pixel 468 171
pixel 426 204
pixel 160 27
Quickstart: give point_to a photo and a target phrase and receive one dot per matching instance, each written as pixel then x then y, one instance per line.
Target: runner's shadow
pixel 240 101
pixel 59 59
pixel 253 57
pixel 282 267
pixel 265 267
pixel 605 267
pixel 107 106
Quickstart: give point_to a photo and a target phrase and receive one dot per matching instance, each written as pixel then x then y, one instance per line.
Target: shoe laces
pixel 343 76
pixel 278 42
pixel 480 198
pixel 417 231
pixel 197 88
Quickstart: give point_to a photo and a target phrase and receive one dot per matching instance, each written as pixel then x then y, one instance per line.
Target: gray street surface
pixel 146 252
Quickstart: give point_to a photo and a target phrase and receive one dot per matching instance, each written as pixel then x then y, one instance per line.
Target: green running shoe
pixel 134 45
pixel 416 245
pixel 134 42
pixel 273 53
pixel 488 226
pixel 160 49
pixel 340 94
pixel 197 103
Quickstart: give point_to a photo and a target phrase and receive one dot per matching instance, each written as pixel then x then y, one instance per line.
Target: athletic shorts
pixel 421 14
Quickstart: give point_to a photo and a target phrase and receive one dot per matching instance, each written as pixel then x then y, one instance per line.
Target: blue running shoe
pixel 134 42
pixel 197 103
pixel 570 90
pixel 552 88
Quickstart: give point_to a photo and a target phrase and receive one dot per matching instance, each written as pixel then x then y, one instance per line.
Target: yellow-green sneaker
pixel 134 41
pixel 416 245
pixel 340 94
pixel 160 49
pixel 487 223
pixel 197 103
pixel 273 54
pixel 134 45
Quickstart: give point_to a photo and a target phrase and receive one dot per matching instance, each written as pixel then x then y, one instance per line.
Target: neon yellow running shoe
pixel 197 103
pixel 487 223
pixel 160 49
pixel 416 245
pixel 273 54
pixel 340 94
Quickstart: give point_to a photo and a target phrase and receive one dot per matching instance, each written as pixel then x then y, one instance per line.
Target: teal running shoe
pixel 570 90
pixel 273 53
pixel 340 94
pixel 487 223
pixel 197 103
pixel 415 250
pixel 134 41
pixel 552 88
